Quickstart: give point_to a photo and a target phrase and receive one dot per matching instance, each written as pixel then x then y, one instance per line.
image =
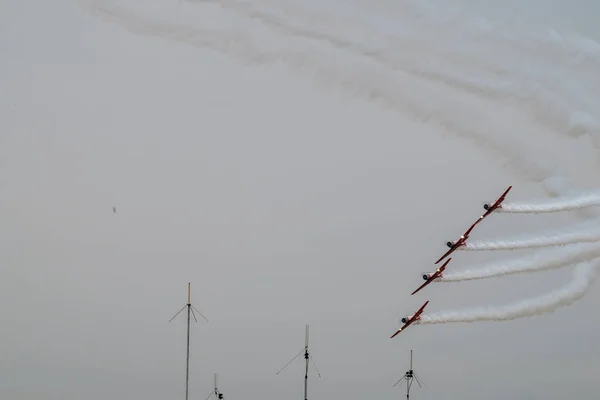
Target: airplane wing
pixel 504 194
pixel 497 203
pixel 413 319
pixel 418 313
pixel 465 236
pixel 427 282
pixel 433 277
pixel 488 212
pixel 401 329
pixel 468 232
pixel 447 254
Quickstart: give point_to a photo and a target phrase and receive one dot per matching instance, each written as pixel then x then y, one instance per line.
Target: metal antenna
pixel 409 376
pixel 191 311
pixel 215 392
pixel 308 358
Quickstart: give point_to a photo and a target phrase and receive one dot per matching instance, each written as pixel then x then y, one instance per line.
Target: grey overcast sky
pixel 299 162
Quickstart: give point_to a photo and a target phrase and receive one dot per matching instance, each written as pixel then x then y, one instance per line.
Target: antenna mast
pixel 218 395
pixel 191 311
pixel 308 358
pixel 409 376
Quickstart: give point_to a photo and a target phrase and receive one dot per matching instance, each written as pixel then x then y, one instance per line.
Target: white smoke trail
pixel 380 82
pixel 583 276
pixel 476 87
pixel 362 78
pixel 538 241
pixel 555 205
pixel 540 261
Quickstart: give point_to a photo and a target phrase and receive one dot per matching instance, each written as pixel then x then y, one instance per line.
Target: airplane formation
pixel 453 245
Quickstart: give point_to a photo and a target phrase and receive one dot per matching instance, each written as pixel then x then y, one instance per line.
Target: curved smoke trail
pixel 539 261
pixel 556 205
pixel 372 81
pixel 546 107
pixel 583 276
pixel 379 81
pixel 519 161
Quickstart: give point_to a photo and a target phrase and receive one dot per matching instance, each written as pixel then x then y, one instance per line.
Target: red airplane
pixel 460 242
pixel 497 204
pixel 433 276
pixel 410 319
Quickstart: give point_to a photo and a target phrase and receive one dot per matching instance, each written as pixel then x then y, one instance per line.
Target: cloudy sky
pixel 298 163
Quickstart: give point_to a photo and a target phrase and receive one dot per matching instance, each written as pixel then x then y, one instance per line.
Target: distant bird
pixel 114 210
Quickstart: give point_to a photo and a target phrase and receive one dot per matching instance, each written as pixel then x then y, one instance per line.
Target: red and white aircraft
pixel 462 240
pixel 410 319
pixel 497 204
pixel 458 243
pixel 433 276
